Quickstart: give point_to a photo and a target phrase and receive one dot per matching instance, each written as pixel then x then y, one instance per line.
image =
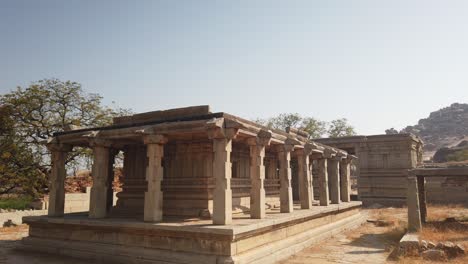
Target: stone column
pixel 153 210
pixel 345 180
pixel 414 213
pixel 222 172
pixel 422 197
pixel 100 173
pixel 323 182
pixel 305 179
pixel 57 178
pixel 257 174
pixel 334 178
pixel 284 157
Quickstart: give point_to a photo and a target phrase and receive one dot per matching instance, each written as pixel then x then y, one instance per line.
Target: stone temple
pixel 199 187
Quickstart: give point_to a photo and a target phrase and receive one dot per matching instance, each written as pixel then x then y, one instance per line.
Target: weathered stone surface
pixel 245 241
pixel 409 245
pixel 284 158
pixel 414 214
pixel 451 250
pixel 382 163
pixel 434 255
pixel 423 245
pixel 163 115
pixel 153 207
pixel 334 179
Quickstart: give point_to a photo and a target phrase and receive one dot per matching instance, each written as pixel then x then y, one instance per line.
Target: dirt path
pixel 367 244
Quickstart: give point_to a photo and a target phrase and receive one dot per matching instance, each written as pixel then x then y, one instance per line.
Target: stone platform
pixel 246 240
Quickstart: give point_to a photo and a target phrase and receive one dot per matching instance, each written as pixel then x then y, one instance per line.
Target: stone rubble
pixel 428 250
pixel 434 255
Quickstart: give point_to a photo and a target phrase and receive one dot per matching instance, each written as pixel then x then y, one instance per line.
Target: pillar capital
pixel 216 129
pixel 288 146
pixel 54 146
pixel 350 158
pixel 263 138
pixel 307 150
pixel 155 139
pixel 341 154
pixel 329 153
pixel 100 142
pixel 220 133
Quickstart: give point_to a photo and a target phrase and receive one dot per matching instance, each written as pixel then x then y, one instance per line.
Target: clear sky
pixel 380 64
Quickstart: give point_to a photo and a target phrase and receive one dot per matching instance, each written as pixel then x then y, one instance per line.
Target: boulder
pixel 434 255
pixel 452 250
pixel 431 245
pixel 423 245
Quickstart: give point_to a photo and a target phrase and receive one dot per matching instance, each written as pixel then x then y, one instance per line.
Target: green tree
pixel 50 106
pixel 18 168
pixel 314 127
pixel 340 128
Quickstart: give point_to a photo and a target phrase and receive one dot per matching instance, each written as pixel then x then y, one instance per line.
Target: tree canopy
pixel 313 126
pixel 340 128
pixel 31 115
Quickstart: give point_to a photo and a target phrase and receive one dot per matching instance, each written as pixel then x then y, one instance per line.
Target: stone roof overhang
pixel 170 127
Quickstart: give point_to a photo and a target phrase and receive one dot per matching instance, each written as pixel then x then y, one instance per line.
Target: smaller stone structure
pixel 382 165
pixel 416 198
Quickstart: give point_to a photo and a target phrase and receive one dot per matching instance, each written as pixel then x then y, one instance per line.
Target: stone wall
pixel 447 190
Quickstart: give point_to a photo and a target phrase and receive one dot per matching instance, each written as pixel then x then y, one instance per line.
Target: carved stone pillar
pixel 284 157
pixel 323 182
pixel 257 174
pixel 345 180
pixel 305 179
pixel 100 173
pixel 153 210
pixel 57 178
pixel 334 178
pixel 222 172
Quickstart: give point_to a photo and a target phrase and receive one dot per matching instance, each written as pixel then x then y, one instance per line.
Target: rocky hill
pixel 443 128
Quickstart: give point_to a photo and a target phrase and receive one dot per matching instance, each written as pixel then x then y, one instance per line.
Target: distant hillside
pixel 443 128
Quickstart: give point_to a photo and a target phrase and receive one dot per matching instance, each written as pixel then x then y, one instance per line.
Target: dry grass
pixel 444 223
pixel 438 229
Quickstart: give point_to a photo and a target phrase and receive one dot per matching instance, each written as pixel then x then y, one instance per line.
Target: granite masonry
pixel 199 187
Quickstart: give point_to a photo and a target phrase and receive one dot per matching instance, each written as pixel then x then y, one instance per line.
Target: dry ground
pixel 370 243
pixel 445 223
pixel 373 243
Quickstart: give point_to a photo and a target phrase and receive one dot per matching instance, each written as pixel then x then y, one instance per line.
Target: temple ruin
pixel 199 187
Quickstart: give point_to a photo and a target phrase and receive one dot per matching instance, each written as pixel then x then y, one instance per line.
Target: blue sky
pixel 380 64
